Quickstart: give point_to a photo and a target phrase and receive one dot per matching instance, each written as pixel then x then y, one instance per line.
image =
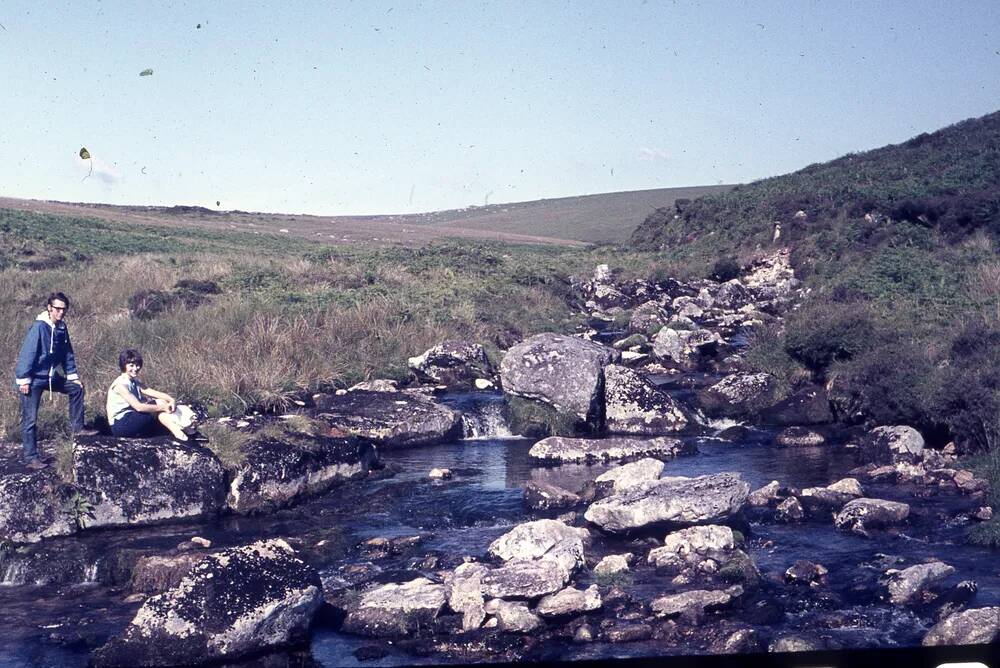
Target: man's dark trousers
pixel 29 411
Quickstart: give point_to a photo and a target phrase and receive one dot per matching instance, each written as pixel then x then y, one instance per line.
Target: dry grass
pixel 283 325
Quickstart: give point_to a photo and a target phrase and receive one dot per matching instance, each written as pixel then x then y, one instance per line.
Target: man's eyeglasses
pixel 58 308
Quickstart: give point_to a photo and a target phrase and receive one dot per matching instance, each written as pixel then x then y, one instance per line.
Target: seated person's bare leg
pixel 169 420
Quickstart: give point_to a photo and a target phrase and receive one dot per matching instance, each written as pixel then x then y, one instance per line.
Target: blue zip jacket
pixel 46 347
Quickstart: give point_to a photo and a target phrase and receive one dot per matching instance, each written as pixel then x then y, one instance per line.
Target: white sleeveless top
pixel 117 406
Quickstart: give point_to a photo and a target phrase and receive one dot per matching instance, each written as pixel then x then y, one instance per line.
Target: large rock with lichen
pixel 456 364
pixel 35 505
pixel 238 602
pixel 140 481
pixel 278 471
pixel 633 405
pixel 390 419
pixel 564 372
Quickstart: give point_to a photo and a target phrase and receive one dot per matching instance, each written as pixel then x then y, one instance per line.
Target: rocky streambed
pixel 389 526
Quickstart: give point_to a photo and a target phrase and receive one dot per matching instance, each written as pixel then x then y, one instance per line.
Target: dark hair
pixel 129 355
pixel 60 296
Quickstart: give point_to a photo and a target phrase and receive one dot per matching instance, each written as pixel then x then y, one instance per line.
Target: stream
pixel 65 596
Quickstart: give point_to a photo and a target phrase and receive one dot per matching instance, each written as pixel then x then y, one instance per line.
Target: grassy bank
pixel 282 316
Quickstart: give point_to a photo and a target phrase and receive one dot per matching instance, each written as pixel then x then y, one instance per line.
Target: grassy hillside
pixel 603 218
pixel 899 247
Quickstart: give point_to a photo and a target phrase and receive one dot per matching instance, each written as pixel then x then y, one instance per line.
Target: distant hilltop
pixel 585 219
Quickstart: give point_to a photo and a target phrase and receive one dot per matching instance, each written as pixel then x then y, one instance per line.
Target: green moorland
pixel 234 321
pixel 899 248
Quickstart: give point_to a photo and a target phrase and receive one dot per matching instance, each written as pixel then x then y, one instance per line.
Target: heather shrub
pixel 819 334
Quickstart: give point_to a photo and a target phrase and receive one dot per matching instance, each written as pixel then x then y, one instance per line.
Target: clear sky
pixel 397 107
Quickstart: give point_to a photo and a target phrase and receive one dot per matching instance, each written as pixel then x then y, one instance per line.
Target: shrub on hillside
pixel 890 382
pixel 725 269
pixel 821 334
pixel 968 396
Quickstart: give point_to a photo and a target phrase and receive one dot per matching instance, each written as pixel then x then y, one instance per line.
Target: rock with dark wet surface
pixel 34 505
pixel 892 445
pixel 907 586
pixel 238 602
pixel 277 472
pixel 796 643
pixel 976 626
pixel 686 348
pixel 679 501
pixel 141 481
pixel 634 405
pixel 456 364
pixel 806 572
pixel 799 437
pixel 563 371
pixel 693 605
pixel 395 609
pixel 546 496
pixel 808 406
pixel 790 510
pixel 615 448
pixel 569 601
pixel 764 496
pixel 861 515
pixel 392 420
pixel 737 395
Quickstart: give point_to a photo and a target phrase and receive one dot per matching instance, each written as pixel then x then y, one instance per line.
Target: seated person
pixel 134 409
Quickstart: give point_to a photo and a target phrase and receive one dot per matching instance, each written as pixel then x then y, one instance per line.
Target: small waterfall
pixel 15 574
pixel 485 420
pixel 90 573
pixel 717 425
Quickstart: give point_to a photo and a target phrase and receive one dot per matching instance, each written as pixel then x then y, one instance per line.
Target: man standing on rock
pixel 47 347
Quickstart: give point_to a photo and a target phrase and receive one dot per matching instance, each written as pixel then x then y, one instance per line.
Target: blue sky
pixel 396 107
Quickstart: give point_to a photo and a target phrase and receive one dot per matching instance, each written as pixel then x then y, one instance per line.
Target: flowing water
pixel 62 598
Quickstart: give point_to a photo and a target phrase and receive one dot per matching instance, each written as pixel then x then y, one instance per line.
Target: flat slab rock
pixel 34 505
pixel 565 372
pixel 278 472
pixel 237 602
pixel 139 481
pixel 390 419
pixel 680 501
pixel 566 449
